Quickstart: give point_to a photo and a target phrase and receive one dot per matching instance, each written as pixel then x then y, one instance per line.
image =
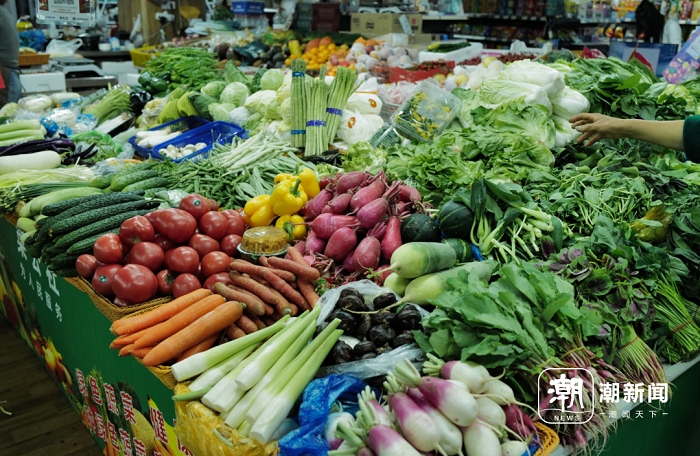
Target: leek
pixel 271 352
pixel 237 415
pixel 278 409
pixel 267 394
pixel 200 362
pixel 212 376
pixel 226 393
pixel 192 395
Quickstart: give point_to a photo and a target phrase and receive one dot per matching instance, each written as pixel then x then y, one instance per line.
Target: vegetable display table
pixel 120 401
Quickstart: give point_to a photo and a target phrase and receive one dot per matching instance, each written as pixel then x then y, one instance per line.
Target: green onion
pixel 341 88
pixel 212 376
pixel 114 103
pixel 192 395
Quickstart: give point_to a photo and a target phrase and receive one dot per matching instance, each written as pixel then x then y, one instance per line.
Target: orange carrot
pixel 125 350
pixel 199 348
pixel 297 257
pixel 163 312
pixel 255 319
pixel 282 301
pixel 243 266
pixel 267 320
pixel 263 261
pixel 288 292
pixel 269 310
pixel 309 273
pixel 295 309
pixel 258 279
pixel 246 324
pixel 140 352
pixel 275 316
pixel 230 294
pixel 117 344
pixel 234 332
pixel 199 331
pixel 308 291
pixel 130 338
pixel 180 321
pixel 254 287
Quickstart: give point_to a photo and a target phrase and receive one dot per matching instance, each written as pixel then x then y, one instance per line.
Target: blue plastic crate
pixel 181 124
pixel 248 7
pixel 211 133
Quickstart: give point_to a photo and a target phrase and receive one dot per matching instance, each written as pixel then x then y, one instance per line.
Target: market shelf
pixel 464 17
pixel 489 39
pixel 625 20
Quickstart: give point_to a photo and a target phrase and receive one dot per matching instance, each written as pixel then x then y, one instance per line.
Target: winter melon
pixel 462 248
pixel 419 228
pixel 455 220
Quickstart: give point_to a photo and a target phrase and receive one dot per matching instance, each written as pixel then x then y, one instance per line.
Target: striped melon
pixel 419 228
pixel 462 248
pixel 455 220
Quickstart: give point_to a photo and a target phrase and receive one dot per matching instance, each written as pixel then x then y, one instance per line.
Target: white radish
pixel 416 425
pixel 480 440
pixel 492 413
pixel 450 435
pixel 513 448
pixel 475 376
pixel 501 393
pixel 385 441
pixel 46 159
pixel 331 425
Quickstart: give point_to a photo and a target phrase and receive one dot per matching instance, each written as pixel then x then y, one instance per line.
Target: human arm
pixel 595 127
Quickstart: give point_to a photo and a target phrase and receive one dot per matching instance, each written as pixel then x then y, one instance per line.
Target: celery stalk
pixel 200 362
pixel 271 352
pixel 237 415
pixel 278 409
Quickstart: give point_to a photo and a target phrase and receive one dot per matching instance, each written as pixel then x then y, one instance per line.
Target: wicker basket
pixel 114 312
pixel 78 282
pixel 31 59
pixel 549 438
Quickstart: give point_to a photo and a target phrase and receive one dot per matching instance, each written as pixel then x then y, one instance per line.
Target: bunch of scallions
pixel 316 113
pixel 342 87
pixel 114 103
pixel 254 390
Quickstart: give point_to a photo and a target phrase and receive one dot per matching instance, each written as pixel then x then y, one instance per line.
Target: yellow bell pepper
pixel 294 48
pixel 308 181
pixel 258 211
pixel 295 231
pixel 288 197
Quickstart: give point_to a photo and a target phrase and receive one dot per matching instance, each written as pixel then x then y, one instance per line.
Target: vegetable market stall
pixel 119 400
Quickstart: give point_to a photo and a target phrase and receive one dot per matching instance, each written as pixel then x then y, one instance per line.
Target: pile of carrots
pixel 277 288
pixel 258 297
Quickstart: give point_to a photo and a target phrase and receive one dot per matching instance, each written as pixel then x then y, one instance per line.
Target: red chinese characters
pixel 128 407
pixel 180 447
pixel 139 447
pixel 101 431
pixel 113 437
pixel 111 399
pixel 90 418
pixel 126 442
pixel 96 396
pixel 81 383
pixel 159 425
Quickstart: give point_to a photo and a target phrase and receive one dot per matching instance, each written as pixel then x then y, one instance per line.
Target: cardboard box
pixel 43 82
pixel 373 24
pixel 420 38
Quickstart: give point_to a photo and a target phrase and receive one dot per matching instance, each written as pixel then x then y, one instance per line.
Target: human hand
pixel 596 127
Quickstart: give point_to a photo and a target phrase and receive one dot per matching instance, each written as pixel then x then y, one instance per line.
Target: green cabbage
pixel 284 93
pixel 233 74
pixel 235 93
pixel 470 100
pixel 220 111
pixel 272 79
pixel 264 103
pixel 239 116
pixel 570 103
pixel 564 132
pixel 214 89
pixel 551 81
pixel 286 110
pixel 497 91
pixel 201 103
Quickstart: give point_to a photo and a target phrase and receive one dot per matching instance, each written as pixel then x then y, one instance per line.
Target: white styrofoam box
pixel 132 79
pixel 120 69
pixel 469 52
pixel 43 82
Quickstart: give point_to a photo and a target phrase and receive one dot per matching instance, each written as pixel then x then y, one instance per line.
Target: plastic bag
pixel 319 397
pixel 653 227
pixel 354 127
pixel 60 48
pixel 35 103
pixel 62 117
pixel 364 103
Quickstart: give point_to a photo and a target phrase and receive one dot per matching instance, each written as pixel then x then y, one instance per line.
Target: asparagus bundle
pixel 341 88
pixel 299 103
pixel 316 113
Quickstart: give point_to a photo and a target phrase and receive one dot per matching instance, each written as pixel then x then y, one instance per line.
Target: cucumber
pixel 98 203
pixel 152 192
pixel 26 237
pixel 419 258
pixel 37 204
pixel 153 182
pixel 119 183
pixel 68 271
pixel 86 218
pixel 99 227
pixel 423 289
pixel 102 181
pixel 62 206
pixel 55 250
pixel 26 224
pixel 62 260
pixel 34 251
pixel 85 246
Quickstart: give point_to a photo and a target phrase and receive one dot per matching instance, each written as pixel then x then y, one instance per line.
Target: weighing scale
pixel 81 72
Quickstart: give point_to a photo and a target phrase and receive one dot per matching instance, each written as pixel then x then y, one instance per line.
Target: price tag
pixel 403 20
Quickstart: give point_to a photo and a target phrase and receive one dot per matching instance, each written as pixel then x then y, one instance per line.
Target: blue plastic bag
pixel 319 396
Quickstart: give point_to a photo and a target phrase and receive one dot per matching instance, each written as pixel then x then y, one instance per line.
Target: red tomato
pixel 135 283
pixel 214 205
pixel 178 225
pixel 102 280
pixel 164 242
pixel 122 302
pixel 86 266
pixel 213 224
pixel 215 262
pixel 222 277
pixel 203 244
pixel 136 229
pixel 108 249
pixel 183 259
pixel 236 224
pixel 126 249
pixel 199 274
pixel 195 204
pixel 126 260
pixel 152 216
pixel 147 254
pixel 185 283
pixel 165 279
pixel 229 244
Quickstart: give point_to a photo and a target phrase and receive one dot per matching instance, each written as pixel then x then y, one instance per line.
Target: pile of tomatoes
pixel 166 252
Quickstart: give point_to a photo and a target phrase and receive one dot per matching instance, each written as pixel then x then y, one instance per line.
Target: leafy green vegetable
pixel 363 157
pixel 233 74
pixel 214 89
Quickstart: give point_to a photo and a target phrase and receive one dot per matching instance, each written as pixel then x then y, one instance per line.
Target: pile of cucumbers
pixel 138 177
pixel 68 228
